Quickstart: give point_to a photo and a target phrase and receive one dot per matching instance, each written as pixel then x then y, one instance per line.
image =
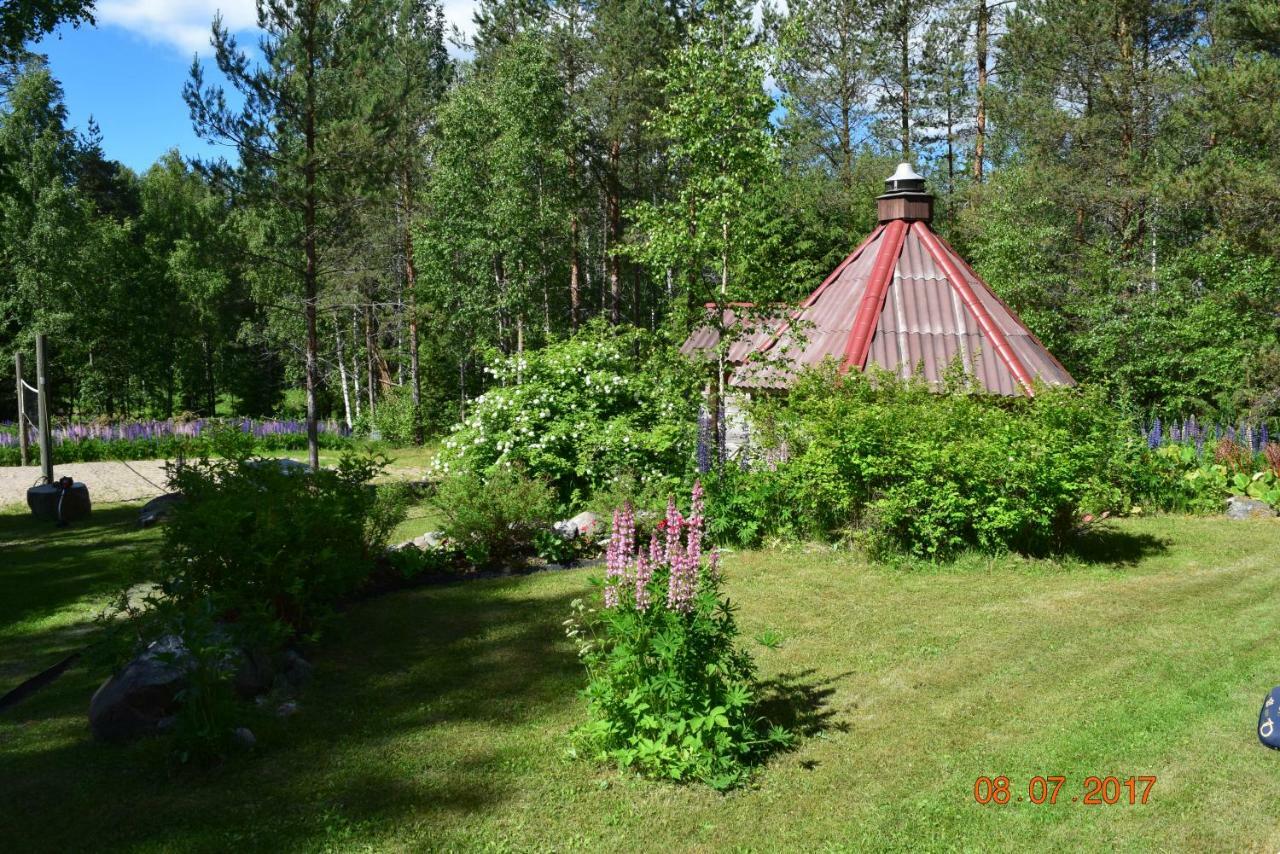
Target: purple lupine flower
pixel 1265 438
pixel 704 441
pixel 1153 435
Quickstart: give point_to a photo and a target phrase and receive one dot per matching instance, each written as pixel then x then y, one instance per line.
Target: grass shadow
pixel 428 667
pixel 800 702
pixel 46 568
pixel 1107 544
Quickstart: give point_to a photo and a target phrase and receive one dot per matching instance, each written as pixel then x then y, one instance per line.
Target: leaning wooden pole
pixel 42 394
pixel 24 442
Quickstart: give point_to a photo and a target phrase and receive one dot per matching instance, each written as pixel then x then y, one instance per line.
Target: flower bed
pixel 151 439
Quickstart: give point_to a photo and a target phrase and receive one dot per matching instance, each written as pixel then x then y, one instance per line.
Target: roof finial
pixel 904 180
pixel 904 197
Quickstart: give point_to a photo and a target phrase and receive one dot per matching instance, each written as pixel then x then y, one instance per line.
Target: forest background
pixel 393 221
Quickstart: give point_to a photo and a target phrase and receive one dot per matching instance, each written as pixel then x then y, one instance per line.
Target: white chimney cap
pixel 905 173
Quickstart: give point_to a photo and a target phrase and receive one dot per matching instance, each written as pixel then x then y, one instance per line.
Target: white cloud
pixel 184 24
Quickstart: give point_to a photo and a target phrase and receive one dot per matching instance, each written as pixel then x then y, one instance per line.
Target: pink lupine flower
pixel 675 545
pixel 644 573
pixel 618 553
pixel 672 530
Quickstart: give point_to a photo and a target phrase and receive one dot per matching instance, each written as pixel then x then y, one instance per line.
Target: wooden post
pixel 42 386
pixel 23 441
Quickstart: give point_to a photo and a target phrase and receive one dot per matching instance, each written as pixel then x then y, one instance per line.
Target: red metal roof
pixel 906 302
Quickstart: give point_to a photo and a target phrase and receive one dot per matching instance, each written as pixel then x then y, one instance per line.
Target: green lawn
pixel 438 718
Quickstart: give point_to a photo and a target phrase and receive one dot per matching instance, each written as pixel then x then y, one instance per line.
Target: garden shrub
pixel 497 516
pixel 611 402
pixel 1182 478
pixel 903 468
pixel 670 693
pixel 395 419
pixel 252 533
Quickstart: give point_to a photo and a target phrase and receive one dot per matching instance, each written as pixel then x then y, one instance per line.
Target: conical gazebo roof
pixel 905 301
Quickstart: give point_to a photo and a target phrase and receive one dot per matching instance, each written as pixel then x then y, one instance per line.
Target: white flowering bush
pixel 610 402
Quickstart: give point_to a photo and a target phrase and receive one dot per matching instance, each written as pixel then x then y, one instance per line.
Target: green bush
pixel 670 693
pixel 610 402
pixel 395 419
pixel 1180 478
pixel 496 517
pixel 903 468
pixel 253 534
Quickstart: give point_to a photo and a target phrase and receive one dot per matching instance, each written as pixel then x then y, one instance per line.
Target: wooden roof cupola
pixel 905 197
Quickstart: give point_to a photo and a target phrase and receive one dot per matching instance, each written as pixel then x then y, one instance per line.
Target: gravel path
pixel 113 482
pixel 108 482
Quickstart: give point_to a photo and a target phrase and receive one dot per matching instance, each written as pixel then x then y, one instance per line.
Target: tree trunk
pixel 342 374
pixel 980 131
pixel 355 358
pixel 904 60
pixel 371 361
pixel 574 296
pixel 310 273
pixel 613 205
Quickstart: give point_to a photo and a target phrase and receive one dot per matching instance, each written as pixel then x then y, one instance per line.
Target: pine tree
pixel 299 137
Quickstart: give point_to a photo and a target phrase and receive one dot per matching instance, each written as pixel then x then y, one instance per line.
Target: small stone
pixel 254 674
pixel 1240 507
pixel 287 709
pixel 244 737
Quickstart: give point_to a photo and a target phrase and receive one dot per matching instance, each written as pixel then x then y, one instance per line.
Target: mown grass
pixel 438 717
pixel 54 581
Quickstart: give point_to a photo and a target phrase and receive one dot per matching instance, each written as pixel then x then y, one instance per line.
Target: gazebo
pixel 904 301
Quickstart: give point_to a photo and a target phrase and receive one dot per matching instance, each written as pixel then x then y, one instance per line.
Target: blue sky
pixel 128 71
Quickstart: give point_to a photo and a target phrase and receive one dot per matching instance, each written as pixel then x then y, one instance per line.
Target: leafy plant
pixel 670 693
pixel 611 402
pixel 900 467
pixel 255 533
pixel 494 518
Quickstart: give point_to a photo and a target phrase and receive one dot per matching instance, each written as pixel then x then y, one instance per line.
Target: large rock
pixel 255 674
pixel 295 670
pixel 429 540
pixel 141 698
pixel 158 508
pixel 284 464
pixel 1240 507
pixel 583 525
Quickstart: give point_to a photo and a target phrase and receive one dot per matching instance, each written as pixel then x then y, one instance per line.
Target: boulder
pixel 429 540
pixel 158 508
pixel 582 525
pixel 244 737
pixel 141 699
pixel 255 674
pixel 295 670
pixel 284 464
pixel 1240 507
